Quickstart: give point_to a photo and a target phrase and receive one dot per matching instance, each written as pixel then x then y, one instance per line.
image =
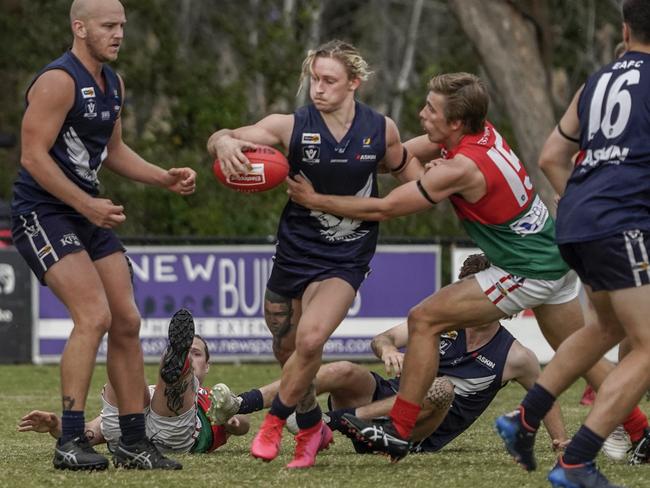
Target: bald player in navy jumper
pixel 339 144
pixel 603 226
pixel 63 228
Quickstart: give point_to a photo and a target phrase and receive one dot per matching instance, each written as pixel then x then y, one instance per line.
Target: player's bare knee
pixel 94 325
pixel 423 320
pixel 419 322
pixel 341 370
pixel 310 345
pixel 127 324
pixel 440 394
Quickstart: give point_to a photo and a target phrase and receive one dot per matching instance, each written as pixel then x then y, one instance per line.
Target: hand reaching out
pixel 393 361
pixel 181 181
pixel 41 422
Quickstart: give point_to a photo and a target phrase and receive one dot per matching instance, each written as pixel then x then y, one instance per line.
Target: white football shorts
pixel 512 294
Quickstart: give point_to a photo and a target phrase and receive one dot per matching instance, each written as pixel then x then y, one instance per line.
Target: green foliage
pixel 192 67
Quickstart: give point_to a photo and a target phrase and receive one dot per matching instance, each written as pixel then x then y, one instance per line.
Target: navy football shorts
pixel 43 237
pixel 612 263
pixel 289 280
pixel 384 389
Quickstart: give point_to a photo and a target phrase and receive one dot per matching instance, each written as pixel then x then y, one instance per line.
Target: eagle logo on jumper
pixel 337 229
pixel 80 158
pixel 470 386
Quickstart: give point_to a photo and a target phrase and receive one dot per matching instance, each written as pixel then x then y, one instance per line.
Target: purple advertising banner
pixel 223 287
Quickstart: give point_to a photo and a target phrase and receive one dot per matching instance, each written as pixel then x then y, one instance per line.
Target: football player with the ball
pixel 339 145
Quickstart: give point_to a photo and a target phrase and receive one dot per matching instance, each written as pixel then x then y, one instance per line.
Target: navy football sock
pixel 306 420
pixel 252 401
pixel 132 427
pixel 279 409
pixel 73 424
pixel 536 404
pixel 583 447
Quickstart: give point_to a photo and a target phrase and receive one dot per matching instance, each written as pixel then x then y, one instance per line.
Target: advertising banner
pixel 16 316
pixel 223 287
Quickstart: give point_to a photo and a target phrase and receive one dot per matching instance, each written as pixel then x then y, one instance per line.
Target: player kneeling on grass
pixel 178 408
pixel 474 365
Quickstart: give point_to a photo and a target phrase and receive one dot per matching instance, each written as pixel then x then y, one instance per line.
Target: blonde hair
pixel 466 99
pixel 347 54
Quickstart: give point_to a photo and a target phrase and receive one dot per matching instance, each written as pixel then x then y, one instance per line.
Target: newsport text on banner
pixel 223 286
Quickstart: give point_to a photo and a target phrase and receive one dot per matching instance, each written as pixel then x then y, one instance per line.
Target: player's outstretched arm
pixel 442 179
pixel 49 423
pixel 555 160
pixel 228 145
pixel 126 162
pixel 523 367
pixel 386 347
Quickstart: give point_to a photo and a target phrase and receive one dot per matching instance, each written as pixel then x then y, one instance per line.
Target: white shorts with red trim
pixel 170 434
pixel 512 293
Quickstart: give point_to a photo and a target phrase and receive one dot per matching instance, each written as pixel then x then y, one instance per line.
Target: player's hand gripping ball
pixel 270 168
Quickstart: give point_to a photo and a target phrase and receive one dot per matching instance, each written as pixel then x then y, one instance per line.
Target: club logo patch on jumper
pixel 444 345
pixel 88 92
pixel 91 109
pixel 310 138
pixel 367 141
pixel 311 154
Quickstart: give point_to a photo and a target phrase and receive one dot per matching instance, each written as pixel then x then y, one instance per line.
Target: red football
pixel 270 168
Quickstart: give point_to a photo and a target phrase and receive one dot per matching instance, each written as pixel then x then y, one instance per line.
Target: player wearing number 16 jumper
pixel 494 198
pixel 603 224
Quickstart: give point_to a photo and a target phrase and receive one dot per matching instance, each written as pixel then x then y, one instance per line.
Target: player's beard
pixel 96 52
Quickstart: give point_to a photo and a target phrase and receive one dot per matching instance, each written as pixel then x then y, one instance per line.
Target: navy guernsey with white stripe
pixel 609 189
pixel 345 167
pixel 477 378
pixel 80 147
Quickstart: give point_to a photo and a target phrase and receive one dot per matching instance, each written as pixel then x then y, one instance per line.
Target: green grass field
pixel 475 459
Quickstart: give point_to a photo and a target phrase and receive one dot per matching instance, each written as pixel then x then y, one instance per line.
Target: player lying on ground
pixel 474 365
pixel 178 407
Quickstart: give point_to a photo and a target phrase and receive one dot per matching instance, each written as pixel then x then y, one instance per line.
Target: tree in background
pixel 194 66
